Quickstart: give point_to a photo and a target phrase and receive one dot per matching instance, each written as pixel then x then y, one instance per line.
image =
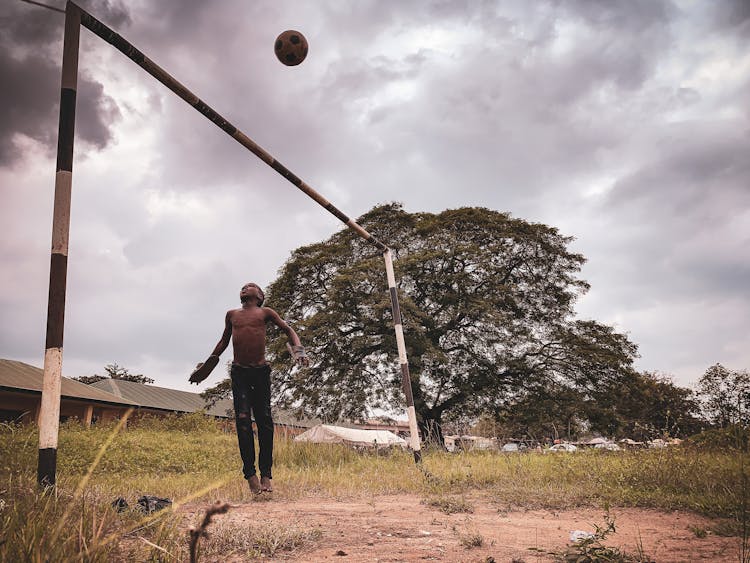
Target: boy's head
pixel 252 291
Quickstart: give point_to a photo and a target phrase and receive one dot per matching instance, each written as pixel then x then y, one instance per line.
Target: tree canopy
pixel 641 406
pixel 487 302
pixel 725 396
pixel 644 406
pixel 115 372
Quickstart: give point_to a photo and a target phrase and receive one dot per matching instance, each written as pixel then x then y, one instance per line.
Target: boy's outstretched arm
pixel 295 346
pixel 224 342
pixel 203 370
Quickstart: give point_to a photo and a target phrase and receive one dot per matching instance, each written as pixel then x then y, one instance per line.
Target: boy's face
pixel 251 291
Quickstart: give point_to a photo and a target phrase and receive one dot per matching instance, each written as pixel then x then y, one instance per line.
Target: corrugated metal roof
pixel 184 401
pixel 21 376
pixel 18 375
pixel 152 396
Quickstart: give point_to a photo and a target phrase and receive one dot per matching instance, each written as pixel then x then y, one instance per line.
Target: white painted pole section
pixel 413 430
pixel 389 273
pixel 50 410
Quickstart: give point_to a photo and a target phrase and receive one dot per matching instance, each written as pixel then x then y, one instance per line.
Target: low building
pixel 107 399
pixel 21 397
pixel 160 401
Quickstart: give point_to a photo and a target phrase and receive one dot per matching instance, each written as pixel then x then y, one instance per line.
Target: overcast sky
pixel 624 124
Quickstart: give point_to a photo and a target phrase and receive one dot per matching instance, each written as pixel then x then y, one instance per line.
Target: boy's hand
pixel 203 370
pixel 299 355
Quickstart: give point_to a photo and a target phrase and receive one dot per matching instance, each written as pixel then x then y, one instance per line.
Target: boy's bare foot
pixel 254 484
pixel 265 484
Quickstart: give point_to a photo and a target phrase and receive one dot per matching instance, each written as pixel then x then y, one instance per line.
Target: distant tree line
pixel 642 406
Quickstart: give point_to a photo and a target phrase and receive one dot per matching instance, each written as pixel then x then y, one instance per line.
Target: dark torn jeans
pixel 251 391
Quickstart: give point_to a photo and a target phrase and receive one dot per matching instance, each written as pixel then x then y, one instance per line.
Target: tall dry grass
pixel 191 459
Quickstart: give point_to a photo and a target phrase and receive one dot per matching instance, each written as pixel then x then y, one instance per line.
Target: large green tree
pixel 725 396
pixel 643 406
pixel 114 371
pixel 636 405
pixel 488 308
pixel 543 412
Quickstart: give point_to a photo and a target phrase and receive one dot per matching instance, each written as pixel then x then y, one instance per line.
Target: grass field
pixel 188 459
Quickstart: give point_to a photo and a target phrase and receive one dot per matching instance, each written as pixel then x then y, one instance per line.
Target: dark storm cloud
pixel 211 56
pixel 733 16
pixel 276 106
pixel 629 16
pixel 30 39
pixel 28 99
pixel 701 179
pixel 532 100
pixel 683 202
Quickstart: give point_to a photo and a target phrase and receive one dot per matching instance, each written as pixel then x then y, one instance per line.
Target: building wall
pixel 24 408
pixel 19 407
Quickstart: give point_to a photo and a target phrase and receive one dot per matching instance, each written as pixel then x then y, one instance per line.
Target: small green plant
pixel 592 550
pixel 699 531
pixel 727 528
pixel 720 439
pixel 471 540
pixel 450 505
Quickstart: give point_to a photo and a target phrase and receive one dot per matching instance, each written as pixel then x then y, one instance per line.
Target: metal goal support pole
pixel 49 414
pixel 401 345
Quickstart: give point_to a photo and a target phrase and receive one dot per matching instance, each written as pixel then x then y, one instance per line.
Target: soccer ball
pixel 291 47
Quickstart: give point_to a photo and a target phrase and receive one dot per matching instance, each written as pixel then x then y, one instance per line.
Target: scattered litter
pixel 146 503
pixel 149 503
pixel 425 533
pixel 120 504
pixel 580 535
pixel 341 553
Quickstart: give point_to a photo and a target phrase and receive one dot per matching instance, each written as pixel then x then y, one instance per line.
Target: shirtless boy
pixel 251 379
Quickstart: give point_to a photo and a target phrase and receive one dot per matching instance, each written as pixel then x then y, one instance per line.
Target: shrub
pixel 732 437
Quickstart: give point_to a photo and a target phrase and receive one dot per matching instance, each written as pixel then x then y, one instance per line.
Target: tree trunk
pixel 431 431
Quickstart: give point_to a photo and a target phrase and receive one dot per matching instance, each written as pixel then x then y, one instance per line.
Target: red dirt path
pixel 402 528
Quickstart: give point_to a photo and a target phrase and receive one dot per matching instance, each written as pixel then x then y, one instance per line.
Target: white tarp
pixel 327 434
pixel 596 441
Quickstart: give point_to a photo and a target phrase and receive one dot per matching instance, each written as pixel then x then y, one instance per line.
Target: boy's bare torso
pixel 249 335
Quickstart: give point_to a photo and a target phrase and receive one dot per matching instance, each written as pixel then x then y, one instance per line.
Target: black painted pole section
pixel 49 414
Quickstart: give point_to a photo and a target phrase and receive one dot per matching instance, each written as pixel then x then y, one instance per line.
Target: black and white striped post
pixel 49 414
pixel 401 346
pixel 76 16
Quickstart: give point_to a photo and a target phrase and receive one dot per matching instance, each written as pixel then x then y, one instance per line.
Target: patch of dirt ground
pixel 405 528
